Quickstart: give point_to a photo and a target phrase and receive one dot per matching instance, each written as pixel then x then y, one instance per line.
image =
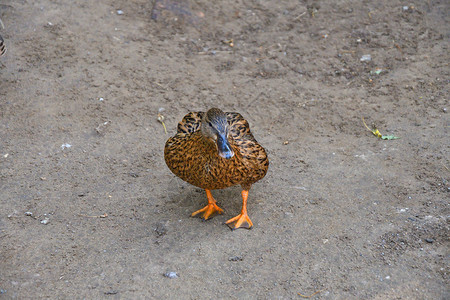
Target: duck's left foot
pixel 240 221
pixel 208 211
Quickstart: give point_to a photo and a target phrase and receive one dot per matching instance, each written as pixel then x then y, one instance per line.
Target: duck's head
pixel 215 127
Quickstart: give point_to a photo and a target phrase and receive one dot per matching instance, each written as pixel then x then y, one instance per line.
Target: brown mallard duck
pixel 215 150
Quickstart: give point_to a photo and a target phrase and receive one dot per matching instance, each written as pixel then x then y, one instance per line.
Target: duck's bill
pixel 224 147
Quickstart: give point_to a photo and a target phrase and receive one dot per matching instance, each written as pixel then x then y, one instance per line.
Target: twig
pixel 215 51
pixel 399 49
pixel 309 295
pixel 299 16
pixel 105 215
pixel 98 130
pixel 260 58
pixel 160 85
pixel 161 120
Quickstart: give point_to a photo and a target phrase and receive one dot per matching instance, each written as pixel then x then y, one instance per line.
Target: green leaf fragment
pixel 389 137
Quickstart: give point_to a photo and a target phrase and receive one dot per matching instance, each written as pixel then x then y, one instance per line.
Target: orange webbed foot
pixel 209 209
pixel 240 221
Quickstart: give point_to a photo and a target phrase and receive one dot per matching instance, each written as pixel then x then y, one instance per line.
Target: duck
pixel 216 150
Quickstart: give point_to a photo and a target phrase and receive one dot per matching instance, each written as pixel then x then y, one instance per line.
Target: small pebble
pixel 120 12
pixel 65 145
pixel 114 292
pixel 366 57
pixel 28 213
pixel 444 109
pixel 405 8
pixel 160 229
pixel 171 275
pixel 45 221
pixel 236 258
pixel 429 240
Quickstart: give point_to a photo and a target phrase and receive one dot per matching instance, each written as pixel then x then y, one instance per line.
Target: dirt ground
pixel 341 213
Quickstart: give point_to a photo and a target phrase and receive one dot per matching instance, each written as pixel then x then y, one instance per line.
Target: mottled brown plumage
pixel 2 46
pixel 216 150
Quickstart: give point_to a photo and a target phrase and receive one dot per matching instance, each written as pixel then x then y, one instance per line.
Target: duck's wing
pixel 253 155
pixel 190 123
pixel 239 127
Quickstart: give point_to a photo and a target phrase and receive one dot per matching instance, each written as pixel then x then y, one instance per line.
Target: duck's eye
pixel 210 124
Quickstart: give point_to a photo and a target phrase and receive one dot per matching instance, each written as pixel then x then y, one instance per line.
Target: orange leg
pixel 242 220
pixel 209 209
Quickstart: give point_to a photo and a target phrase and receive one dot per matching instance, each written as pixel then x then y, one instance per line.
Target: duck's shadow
pixel 185 198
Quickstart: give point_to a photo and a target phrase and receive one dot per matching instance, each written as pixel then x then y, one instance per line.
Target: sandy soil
pixel 340 212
